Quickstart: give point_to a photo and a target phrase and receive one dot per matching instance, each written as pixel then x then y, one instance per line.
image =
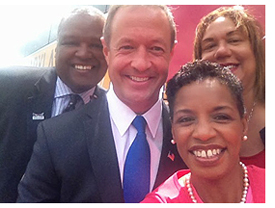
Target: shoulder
pixel 171 190
pixel 255 171
pixel 99 91
pixel 23 75
pixel 256 177
pixel 24 71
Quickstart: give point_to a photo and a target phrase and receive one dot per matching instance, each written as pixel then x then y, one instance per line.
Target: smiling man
pixel 117 148
pixel 80 63
pixel 138 49
pixel 138 54
pixel 30 95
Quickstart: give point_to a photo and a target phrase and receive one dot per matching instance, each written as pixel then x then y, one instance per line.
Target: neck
pixel 256 115
pixel 249 100
pixel 227 189
pixel 253 145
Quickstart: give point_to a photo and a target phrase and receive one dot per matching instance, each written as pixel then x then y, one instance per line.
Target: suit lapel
pixel 102 150
pixel 39 100
pixel 170 160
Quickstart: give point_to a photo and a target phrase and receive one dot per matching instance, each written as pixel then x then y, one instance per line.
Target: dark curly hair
pixel 199 71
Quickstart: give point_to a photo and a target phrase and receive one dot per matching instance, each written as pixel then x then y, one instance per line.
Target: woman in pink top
pixel 209 126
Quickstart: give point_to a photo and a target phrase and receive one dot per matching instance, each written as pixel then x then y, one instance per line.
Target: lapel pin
pixel 38 116
pixel 171 156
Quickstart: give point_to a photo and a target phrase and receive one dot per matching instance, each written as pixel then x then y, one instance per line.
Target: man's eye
pixel 96 45
pixel 157 50
pixel 69 43
pixel 126 47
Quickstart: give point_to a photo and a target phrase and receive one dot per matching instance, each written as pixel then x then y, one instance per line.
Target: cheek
pixel 63 55
pixel 208 56
pixel 233 138
pixel 180 135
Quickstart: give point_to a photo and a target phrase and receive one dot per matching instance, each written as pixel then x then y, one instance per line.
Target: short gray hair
pixel 113 10
pixel 92 11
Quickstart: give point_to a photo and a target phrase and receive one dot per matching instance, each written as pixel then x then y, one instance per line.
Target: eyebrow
pixel 183 111
pixel 233 32
pixel 218 108
pixel 222 108
pixel 129 40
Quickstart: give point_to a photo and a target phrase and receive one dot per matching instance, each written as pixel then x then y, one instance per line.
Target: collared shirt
pixel 62 98
pixel 121 117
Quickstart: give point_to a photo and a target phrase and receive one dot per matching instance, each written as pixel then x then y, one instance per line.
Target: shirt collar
pixel 123 116
pixel 62 90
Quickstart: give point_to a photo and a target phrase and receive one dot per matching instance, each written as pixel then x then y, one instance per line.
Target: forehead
pixel 206 92
pixel 224 24
pixel 141 17
pixel 81 22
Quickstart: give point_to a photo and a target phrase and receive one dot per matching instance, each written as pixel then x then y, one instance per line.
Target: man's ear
pixel 105 49
pixel 173 49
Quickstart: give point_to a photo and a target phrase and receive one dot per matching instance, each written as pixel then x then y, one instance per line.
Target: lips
pixel 207 153
pixel 231 67
pixel 139 79
pixel 83 67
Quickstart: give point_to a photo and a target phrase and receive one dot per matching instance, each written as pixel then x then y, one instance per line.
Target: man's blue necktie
pixel 136 179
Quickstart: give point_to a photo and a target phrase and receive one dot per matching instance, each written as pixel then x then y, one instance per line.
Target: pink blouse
pixel 174 190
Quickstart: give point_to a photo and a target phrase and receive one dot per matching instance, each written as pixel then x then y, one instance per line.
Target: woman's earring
pixel 245 138
pixel 173 141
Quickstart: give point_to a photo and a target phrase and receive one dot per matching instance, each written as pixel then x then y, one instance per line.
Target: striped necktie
pixel 75 102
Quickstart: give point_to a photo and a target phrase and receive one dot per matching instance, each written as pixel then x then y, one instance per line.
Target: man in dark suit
pixel 30 95
pixel 83 158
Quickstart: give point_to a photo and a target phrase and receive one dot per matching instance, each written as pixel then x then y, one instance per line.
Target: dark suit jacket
pixel 24 92
pixel 75 160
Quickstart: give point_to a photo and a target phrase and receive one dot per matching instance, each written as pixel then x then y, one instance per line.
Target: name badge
pixel 38 116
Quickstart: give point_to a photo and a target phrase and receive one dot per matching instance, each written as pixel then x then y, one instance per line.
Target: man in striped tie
pixel 30 95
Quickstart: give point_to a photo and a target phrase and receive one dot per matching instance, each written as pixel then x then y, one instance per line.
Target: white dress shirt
pixel 62 98
pixel 121 117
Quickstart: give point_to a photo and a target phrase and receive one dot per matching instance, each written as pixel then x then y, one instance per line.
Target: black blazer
pixel 23 91
pixel 75 160
pixel 26 97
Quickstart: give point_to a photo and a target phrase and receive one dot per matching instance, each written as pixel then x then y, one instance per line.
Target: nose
pixel 204 131
pixel 141 60
pixel 83 51
pixel 223 51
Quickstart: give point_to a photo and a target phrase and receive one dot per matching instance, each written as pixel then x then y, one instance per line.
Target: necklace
pixel 245 186
pixel 251 112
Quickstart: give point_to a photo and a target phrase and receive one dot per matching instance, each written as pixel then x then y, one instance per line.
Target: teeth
pixel 139 79
pixel 230 67
pixel 207 153
pixel 82 67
